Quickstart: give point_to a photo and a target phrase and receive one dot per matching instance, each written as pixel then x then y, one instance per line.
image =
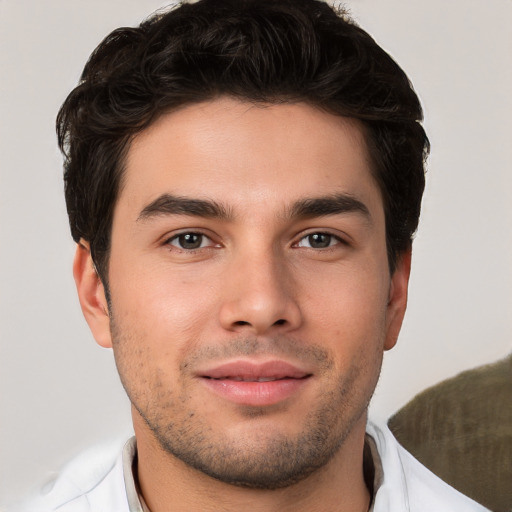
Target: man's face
pixel 251 299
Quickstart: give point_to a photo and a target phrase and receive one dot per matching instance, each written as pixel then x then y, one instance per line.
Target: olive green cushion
pixel 461 429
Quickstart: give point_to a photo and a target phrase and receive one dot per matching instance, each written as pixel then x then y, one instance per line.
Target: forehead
pixel 248 155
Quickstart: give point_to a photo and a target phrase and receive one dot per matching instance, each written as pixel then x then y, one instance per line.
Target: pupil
pixel 190 241
pixel 319 240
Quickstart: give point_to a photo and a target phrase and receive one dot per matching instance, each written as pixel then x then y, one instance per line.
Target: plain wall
pixel 60 392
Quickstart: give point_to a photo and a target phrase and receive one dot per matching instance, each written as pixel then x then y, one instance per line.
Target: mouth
pixel 250 379
pixel 255 384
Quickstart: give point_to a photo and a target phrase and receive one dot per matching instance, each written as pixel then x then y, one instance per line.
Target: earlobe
pixel 91 294
pixel 397 301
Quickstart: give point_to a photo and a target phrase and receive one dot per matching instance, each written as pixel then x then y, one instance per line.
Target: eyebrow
pixel 335 204
pixel 168 204
pixel 329 205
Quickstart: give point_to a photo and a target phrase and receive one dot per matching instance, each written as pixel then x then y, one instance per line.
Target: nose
pixel 259 296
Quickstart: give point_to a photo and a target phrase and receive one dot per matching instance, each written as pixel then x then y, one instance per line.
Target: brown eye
pixel 318 241
pixel 189 241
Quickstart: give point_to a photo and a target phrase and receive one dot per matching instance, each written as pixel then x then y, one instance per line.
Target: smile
pixel 250 379
pixel 255 384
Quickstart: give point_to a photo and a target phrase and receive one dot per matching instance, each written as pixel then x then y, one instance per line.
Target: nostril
pixel 242 322
pixel 280 322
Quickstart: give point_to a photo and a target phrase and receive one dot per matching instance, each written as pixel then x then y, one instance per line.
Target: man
pixel 243 181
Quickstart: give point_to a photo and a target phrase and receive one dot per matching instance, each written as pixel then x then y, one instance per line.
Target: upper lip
pixel 255 371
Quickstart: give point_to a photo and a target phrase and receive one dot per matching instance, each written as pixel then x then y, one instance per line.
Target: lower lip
pixel 256 394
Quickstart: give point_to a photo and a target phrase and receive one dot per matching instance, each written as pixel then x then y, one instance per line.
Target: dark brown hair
pixel 257 50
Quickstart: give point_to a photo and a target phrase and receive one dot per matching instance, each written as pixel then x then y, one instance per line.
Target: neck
pixel 168 484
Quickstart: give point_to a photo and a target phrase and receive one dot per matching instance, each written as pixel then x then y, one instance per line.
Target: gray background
pixel 60 392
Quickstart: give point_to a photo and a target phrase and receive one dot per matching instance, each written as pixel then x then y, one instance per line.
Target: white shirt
pixel 99 481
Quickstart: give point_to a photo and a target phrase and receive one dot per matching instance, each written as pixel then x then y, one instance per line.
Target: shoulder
pixel 92 482
pixel 407 485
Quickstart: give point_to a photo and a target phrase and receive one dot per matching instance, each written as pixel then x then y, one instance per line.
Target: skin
pixel 258 288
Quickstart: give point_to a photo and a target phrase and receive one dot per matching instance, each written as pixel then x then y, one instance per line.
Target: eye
pixel 190 241
pixel 319 241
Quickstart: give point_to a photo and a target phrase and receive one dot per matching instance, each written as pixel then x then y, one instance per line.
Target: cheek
pixel 166 309
pixel 347 310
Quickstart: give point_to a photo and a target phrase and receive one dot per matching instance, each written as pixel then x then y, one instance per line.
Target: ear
pixel 397 301
pixel 91 294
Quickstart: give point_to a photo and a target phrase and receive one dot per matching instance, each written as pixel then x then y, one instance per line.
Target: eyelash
pixel 332 238
pixel 176 238
pixel 185 234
